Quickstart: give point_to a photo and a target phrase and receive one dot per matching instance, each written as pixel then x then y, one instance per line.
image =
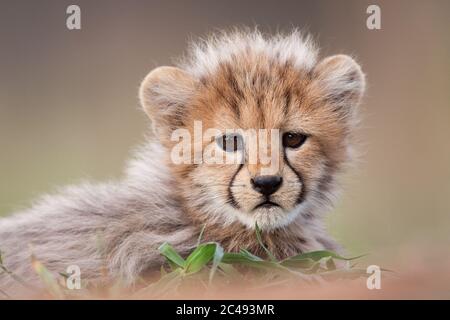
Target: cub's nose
pixel 266 185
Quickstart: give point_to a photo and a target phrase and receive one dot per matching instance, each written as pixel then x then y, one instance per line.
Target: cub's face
pixel 256 141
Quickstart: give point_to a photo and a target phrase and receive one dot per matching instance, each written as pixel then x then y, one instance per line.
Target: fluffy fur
pixel 235 80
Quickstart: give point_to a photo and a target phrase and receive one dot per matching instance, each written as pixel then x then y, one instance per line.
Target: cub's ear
pixel 341 82
pixel 164 94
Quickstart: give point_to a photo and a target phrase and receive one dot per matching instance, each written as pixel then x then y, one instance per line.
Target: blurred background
pixel 69 109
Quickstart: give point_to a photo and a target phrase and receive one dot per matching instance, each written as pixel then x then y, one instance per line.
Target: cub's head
pixel 256 127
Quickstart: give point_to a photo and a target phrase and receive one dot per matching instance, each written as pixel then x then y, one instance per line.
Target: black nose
pixel 266 184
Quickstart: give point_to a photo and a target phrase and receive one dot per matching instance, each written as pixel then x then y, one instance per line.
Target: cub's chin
pixel 270 217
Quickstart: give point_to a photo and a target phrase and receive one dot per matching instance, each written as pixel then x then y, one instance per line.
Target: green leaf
pixel 217 259
pixel 248 260
pixel 200 236
pixel 258 236
pixel 250 255
pixel 298 263
pixel 320 254
pixel 208 259
pixel 233 257
pixel 203 254
pixel 171 255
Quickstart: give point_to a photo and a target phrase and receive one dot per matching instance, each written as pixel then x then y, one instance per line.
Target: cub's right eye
pixel 230 142
pixel 293 139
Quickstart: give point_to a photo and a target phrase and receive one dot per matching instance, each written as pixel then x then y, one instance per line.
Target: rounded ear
pixel 341 81
pixel 164 94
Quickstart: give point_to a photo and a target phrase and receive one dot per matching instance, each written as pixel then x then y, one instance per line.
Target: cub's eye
pixel 293 139
pixel 231 142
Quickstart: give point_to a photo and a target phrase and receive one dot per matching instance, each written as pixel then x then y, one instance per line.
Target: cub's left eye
pixel 293 139
pixel 230 142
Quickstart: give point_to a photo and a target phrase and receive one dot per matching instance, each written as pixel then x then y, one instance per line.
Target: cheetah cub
pixel 241 80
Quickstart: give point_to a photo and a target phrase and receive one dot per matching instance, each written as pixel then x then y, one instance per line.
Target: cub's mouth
pixel 267 204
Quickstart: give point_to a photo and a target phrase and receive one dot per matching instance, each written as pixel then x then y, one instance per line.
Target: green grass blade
pixel 258 236
pixel 200 257
pixel 233 257
pixel 169 252
pixel 217 259
pixel 200 236
pixel 250 255
pixel 244 259
pixel 298 263
pixel 320 254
